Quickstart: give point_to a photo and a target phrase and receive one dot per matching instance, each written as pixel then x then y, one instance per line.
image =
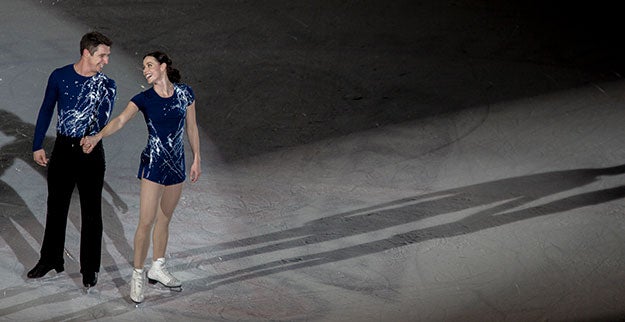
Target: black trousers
pixel 68 168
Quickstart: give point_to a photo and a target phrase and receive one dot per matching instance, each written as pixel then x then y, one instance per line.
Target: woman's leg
pixel 148 206
pixel 168 202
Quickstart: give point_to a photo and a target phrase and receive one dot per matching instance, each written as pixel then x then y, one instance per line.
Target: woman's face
pixel 153 70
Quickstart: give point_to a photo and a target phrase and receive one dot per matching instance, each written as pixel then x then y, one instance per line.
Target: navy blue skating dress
pixel 162 160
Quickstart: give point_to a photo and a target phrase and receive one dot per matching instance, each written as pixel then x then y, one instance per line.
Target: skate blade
pixel 171 288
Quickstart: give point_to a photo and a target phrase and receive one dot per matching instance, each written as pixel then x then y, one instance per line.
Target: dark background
pixel 274 74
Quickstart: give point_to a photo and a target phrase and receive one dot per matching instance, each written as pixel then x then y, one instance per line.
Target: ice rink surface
pixel 362 161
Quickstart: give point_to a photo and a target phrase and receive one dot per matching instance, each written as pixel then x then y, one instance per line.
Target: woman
pixel 167 106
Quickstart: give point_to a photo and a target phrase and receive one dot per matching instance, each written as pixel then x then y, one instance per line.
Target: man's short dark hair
pixel 92 40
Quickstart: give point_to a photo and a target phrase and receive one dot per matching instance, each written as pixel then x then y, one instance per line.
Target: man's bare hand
pixel 88 143
pixel 40 157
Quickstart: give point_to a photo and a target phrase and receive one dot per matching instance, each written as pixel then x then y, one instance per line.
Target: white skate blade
pixel 177 288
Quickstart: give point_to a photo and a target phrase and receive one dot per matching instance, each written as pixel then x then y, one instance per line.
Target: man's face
pixel 99 58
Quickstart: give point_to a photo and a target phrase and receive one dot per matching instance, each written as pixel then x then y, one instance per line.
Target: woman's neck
pixel 164 88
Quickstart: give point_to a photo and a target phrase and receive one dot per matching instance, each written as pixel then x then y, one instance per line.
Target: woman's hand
pixel 195 171
pixel 88 143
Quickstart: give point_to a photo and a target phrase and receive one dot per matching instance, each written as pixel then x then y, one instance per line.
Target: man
pixel 84 99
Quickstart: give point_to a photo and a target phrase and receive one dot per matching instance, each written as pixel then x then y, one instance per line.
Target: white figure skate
pixel 159 273
pixel 136 286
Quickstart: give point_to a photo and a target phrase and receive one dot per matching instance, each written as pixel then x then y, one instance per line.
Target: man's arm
pixel 44 118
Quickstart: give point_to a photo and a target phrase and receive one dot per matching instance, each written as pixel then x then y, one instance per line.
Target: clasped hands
pixel 88 143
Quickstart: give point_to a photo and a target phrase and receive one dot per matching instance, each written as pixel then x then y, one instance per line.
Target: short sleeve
pixel 139 100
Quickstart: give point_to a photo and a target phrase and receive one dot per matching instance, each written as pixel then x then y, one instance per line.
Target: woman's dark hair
pixel 172 73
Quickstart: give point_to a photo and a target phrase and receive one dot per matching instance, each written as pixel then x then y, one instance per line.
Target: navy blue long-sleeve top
pixel 84 104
